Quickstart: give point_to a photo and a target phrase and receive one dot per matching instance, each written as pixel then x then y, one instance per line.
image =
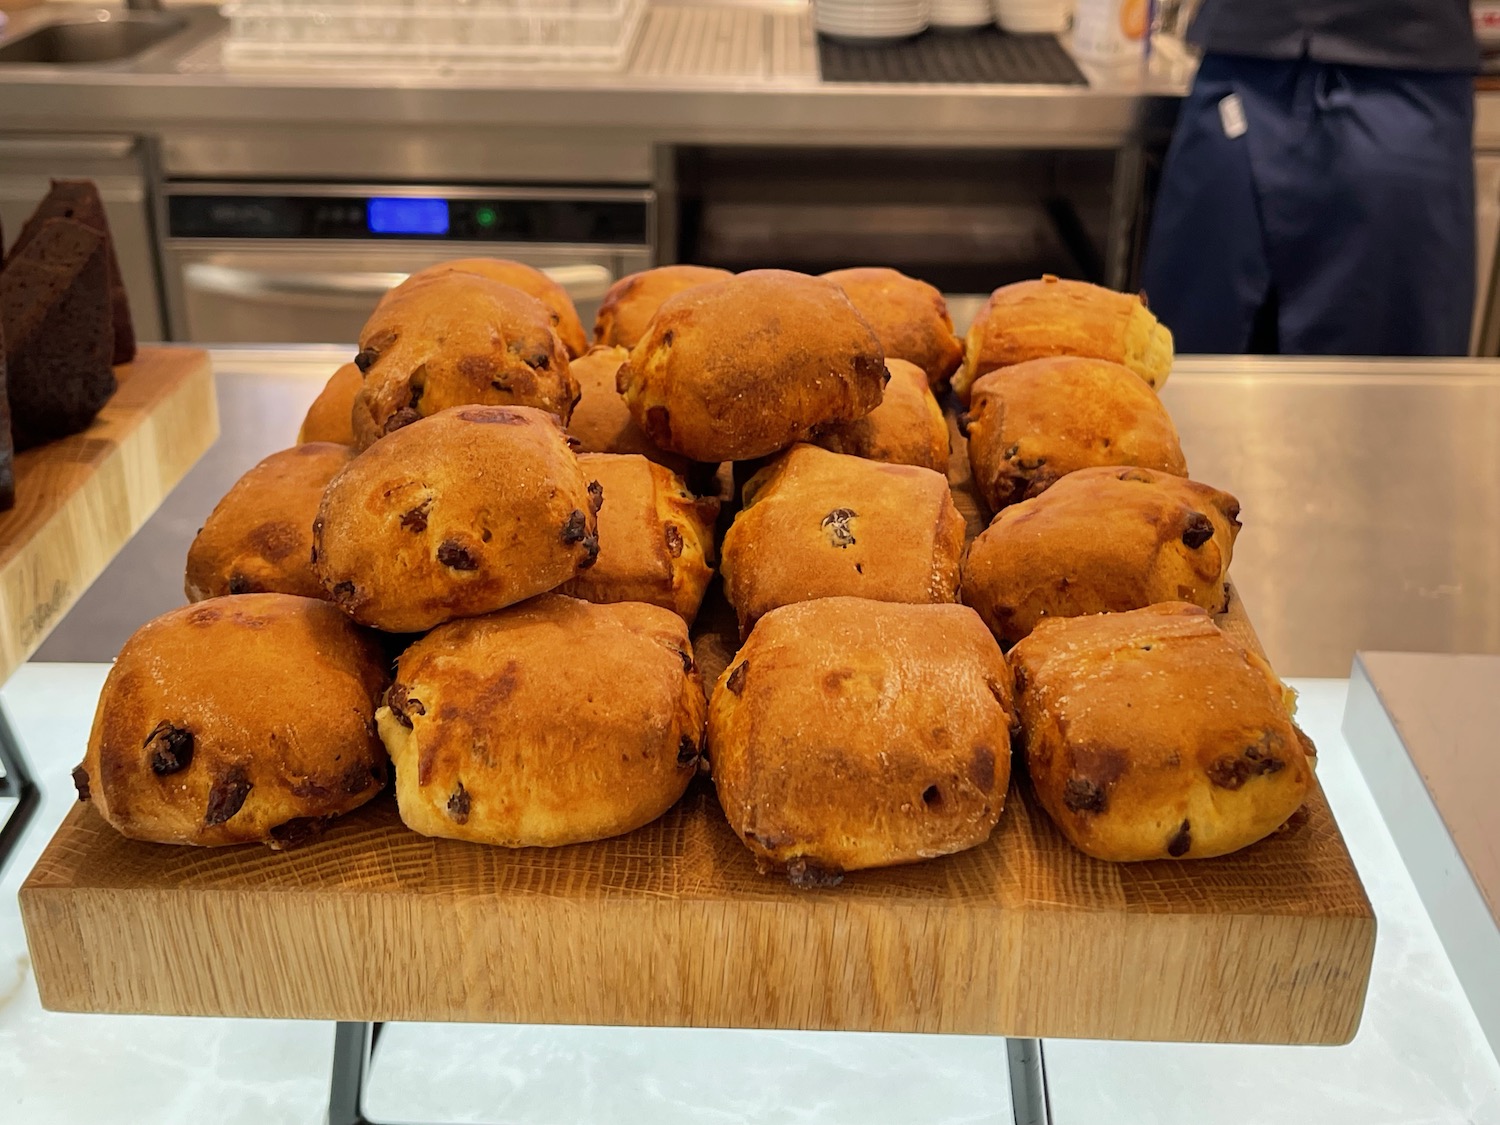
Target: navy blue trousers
pixel 1340 222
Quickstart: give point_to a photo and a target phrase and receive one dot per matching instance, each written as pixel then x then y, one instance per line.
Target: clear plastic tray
pixel 526 33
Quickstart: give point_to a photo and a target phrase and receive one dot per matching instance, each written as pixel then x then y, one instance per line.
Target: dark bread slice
pixel 7 450
pixel 55 306
pixel 79 200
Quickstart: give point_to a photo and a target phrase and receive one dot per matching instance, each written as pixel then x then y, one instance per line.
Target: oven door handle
pixel 585 281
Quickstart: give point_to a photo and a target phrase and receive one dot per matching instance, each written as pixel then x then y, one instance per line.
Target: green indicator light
pixel 485 216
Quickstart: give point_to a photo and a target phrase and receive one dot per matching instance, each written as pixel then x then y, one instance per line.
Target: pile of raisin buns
pixel 478 573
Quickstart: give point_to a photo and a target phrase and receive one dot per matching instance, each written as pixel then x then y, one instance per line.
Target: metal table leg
pixel 354 1042
pixel 1028 1082
pixel 17 784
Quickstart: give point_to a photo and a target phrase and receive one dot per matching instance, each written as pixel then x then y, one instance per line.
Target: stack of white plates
pixel 1029 17
pixel 960 13
pixel 871 19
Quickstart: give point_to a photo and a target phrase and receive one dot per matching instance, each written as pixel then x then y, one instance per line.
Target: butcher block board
pixel 79 500
pixel 673 926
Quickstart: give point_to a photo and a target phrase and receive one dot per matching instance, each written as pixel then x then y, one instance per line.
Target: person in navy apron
pixel 1318 194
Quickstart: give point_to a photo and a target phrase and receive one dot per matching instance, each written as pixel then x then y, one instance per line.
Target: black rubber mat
pixel 984 56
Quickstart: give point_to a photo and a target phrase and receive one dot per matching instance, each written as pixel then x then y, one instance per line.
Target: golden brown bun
pixel 529 280
pixel 328 418
pixel 238 720
pixel 740 368
pixel 1153 735
pixel 907 428
pixel 552 722
pixel 819 525
pixel 1102 540
pixel 632 301
pixel 258 539
pixel 459 514
pixel 1031 424
pixel 848 734
pixel 601 421
pixel 1035 319
pixel 656 540
pixel 457 340
pixel 910 317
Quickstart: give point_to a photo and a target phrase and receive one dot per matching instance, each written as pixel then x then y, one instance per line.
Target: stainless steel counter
pixel 751 70
pixel 1371 496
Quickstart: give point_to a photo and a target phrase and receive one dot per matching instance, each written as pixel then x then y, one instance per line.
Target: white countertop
pixel 1419 1057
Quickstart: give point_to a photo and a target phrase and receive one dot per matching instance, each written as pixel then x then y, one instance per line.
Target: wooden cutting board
pixel 673 926
pixel 79 500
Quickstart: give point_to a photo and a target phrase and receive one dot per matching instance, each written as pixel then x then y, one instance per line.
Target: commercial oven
pixel 305 263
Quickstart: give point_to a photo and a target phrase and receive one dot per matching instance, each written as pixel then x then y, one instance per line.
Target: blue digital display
pixel 407 216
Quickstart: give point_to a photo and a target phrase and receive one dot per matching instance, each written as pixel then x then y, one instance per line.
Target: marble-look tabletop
pixel 1419 1058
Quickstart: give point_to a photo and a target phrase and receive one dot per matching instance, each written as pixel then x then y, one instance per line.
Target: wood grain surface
pixel 79 500
pixel 672 926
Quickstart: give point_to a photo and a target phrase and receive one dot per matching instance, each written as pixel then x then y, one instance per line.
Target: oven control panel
pixel 554 216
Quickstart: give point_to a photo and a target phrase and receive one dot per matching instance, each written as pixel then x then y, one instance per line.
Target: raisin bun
pixel 907 428
pixel 459 514
pixel 1032 424
pixel 330 417
pixel 457 339
pixel 656 539
pixel 910 317
pixel 740 368
pixel 552 722
pixel 1049 317
pixel 246 719
pixel 848 734
pixel 529 280
pixel 1102 540
pixel 632 301
pixel 601 422
pixel 1154 735
pixel 258 539
pixel 817 524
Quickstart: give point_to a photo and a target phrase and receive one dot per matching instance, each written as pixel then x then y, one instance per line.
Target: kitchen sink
pixel 104 37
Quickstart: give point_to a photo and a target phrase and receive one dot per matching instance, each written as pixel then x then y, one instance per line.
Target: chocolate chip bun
pixel 601 422
pixel 329 417
pixel 1032 424
pixel 247 719
pixel 818 525
pixel 1154 735
pixel 632 301
pixel 910 317
pixel 907 428
pixel 459 514
pixel 656 539
pixel 552 722
pixel 457 339
pixel 848 734
pixel 518 275
pixel 1050 317
pixel 740 368
pixel 1102 540
pixel 258 539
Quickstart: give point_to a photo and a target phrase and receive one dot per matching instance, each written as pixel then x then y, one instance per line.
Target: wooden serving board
pixel 672 926
pixel 79 500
